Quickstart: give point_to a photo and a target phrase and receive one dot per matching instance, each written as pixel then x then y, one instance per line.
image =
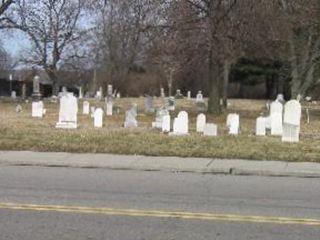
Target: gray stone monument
pixel 178 94
pixel 36 95
pixel 110 90
pixel 160 114
pixel 149 104
pixel 131 116
pixel 170 103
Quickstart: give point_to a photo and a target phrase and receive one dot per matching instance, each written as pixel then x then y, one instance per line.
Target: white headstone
pixel 162 94
pixel 233 123
pixel 98 118
pixel 13 95
pixel 37 109
pixel 276 111
pixel 189 95
pixel 292 113
pixel 68 112
pixel 166 121
pixel 181 124
pixel 280 98
pixel 80 93
pixel 199 97
pixel 109 108
pixel 291 121
pixel 261 126
pixel 98 95
pixel 210 129
pixel 101 92
pixel 201 122
pixel 86 108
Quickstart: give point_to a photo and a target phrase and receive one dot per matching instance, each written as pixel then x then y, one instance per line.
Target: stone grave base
pixel 178 134
pixel 290 133
pixel 130 125
pixel 67 125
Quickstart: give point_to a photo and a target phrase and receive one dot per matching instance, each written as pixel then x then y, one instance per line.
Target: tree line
pixel 169 40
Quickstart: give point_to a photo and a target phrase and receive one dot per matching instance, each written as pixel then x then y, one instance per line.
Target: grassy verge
pixel 21 132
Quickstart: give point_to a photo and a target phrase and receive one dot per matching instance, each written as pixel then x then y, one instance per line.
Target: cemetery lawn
pixel 18 131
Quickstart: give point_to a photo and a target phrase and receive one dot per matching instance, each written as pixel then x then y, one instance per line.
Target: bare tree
pixel 301 33
pixel 52 27
pixel 214 25
pixel 5 21
pixel 122 36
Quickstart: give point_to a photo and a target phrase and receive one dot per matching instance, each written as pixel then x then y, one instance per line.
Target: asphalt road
pixel 68 203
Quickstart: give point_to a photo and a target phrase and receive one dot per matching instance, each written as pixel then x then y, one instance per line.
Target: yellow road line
pixel 161 214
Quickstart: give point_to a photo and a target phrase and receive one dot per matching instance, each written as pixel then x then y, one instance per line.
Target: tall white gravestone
pixel 233 123
pixel 98 118
pixel 37 109
pixel 199 97
pixel 291 121
pixel 109 105
pixel 86 108
pixel 13 94
pixel 261 126
pixel 162 94
pixel 276 114
pixel 166 123
pixel 68 112
pixel 189 95
pixel 201 122
pixel 80 93
pixel 181 124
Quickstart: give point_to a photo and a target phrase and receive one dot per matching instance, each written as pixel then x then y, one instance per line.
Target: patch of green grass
pixel 21 132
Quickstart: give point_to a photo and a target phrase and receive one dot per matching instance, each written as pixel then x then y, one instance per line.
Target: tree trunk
pixel 295 83
pixel 214 85
pixel 54 79
pixel 226 72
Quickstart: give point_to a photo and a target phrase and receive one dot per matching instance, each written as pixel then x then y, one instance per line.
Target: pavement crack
pixel 209 163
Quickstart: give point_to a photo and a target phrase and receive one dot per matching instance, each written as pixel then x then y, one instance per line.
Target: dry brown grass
pixel 18 131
